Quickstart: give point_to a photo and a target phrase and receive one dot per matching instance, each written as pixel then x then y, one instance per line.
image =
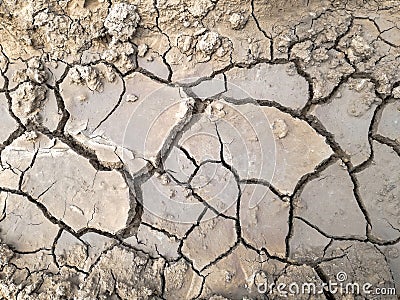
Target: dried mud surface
pixel 199 149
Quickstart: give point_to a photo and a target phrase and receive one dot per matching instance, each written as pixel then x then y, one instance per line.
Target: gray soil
pixel 199 149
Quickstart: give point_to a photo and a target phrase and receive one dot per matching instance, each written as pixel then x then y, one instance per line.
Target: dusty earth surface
pixel 199 149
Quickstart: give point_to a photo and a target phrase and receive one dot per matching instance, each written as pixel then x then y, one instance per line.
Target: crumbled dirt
pixel 207 149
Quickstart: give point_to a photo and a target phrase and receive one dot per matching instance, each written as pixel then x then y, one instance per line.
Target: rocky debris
pixel 302 51
pixel 360 106
pixel 27 101
pixel 197 52
pixel 86 75
pixel 70 251
pixel 140 279
pixel 16 73
pixel 32 97
pixel 238 21
pixel 358 49
pixel 131 98
pixel 35 72
pixel 122 21
pixel 199 8
pixel 396 92
pixel 86 104
pixel 121 55
pixel 215 111
pixel 81 253
pixel 185 43
pixel 5 254
pixel 279 128
pixel 142 50
pixel 248 42
pixel 31 136
pixel 362 44
pixel 209 43
pixel 328 73
pixel 181 280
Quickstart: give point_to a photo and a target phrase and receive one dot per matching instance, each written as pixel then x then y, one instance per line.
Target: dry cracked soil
pixel 199 149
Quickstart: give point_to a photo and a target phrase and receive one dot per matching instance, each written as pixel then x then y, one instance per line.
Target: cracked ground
pixel 199 149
